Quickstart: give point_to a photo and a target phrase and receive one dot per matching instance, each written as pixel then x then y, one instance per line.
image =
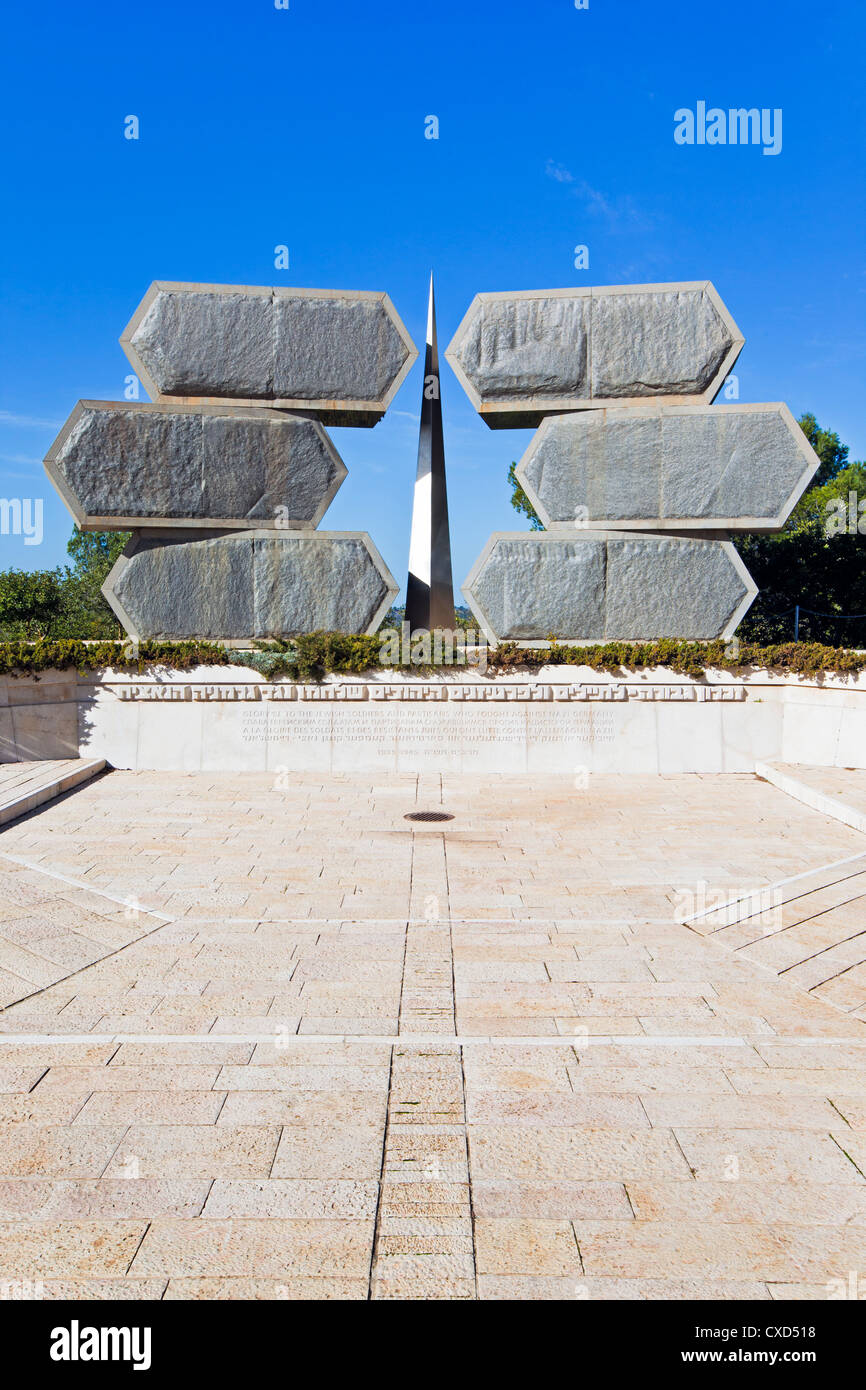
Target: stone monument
pixel 637 478
pixel 225 477
pixel 430 590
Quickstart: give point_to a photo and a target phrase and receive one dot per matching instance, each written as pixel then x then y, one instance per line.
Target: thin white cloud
pixel 8 417
pixel 618 212
pixel 558 172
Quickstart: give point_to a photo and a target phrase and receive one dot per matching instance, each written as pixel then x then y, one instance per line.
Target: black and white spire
pixel 430 591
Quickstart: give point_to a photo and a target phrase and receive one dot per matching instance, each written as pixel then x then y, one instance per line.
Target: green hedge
pixel 690 658
pixel 315 654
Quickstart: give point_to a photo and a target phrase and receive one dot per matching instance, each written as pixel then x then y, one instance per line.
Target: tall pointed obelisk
pixel 430 591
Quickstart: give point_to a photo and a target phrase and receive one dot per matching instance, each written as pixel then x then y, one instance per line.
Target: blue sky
pixel 305 127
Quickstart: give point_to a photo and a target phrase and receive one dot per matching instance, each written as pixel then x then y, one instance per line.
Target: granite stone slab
pixel 254 584
pixel 599 586
pixel 733 467
pixel 125 465
pixel 525 355
pixel 340 355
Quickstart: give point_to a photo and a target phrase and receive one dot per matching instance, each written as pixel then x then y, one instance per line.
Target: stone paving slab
pixel 495 1102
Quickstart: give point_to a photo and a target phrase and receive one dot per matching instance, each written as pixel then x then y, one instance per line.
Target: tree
pixel 827 445
pixel 85 610
pixel 30 603
pixel 810 564
pixel 94 552
pixel 820 501
pixel 521 503
pixel 64 602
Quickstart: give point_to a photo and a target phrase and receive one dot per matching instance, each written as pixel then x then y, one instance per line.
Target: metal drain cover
pixel 428 815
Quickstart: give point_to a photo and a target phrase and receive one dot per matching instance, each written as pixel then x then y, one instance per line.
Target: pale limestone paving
pixel 424 1237
pixel 254 584
pixel 521 356
pixel 597 586
pixel 661 467
pixel 340 355
pixel 504 1069
pixel 119 465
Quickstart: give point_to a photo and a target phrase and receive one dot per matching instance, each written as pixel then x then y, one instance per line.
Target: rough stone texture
pixel 613 1107
pixel 254 584
pixel 195 343
pixel 658 466
pixel 604 586
pixel 340 354
pixel 121 464
pixel 521 356
pixel 656 344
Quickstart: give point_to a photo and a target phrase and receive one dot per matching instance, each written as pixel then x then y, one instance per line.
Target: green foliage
pixel 688 658
pixel 311 655
pixel 85 611
pixel 30 601
pixel 804 565
pixel 829 448
pixel 395 617
pixel 826 574
pixel 63 603
pixel 315 654
pixel 29 658
pixel 521 503
pixel 94 552
pixel 816 503
pixel 465 619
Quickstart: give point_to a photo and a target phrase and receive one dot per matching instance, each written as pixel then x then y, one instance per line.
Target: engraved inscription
pixel 419 693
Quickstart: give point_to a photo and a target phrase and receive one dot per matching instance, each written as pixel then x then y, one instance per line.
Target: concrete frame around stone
pixel 557 537
pixel 660 408
pixel 347 412
pixel 529 413
pixel 157 533
pixel 86 522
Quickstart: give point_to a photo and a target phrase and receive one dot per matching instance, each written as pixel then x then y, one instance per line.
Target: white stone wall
pixel 562 719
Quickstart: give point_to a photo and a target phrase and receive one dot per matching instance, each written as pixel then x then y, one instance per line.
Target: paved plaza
pixel 276 1041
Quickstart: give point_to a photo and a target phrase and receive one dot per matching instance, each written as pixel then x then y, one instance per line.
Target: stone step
pixel 827 964
pixel 24 786
pixel 795 899
pixel 838 792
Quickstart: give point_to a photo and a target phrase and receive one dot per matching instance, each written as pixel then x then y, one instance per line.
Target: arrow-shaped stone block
pixel 533 353
pixel 659 467
pixel 254 584
pixel 120 466
pixel 601 586
pixel 338 355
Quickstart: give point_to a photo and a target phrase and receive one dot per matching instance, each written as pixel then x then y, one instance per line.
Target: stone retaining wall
pixel 560 719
